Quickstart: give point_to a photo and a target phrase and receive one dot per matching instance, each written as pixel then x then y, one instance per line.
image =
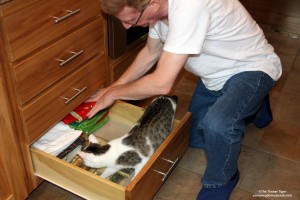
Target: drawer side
pixel 147 183
pixel 74 179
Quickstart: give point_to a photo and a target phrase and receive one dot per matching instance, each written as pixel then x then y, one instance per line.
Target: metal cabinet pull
pixel 167 174
pixel 79 91
pixel 70 13
pixel 74 55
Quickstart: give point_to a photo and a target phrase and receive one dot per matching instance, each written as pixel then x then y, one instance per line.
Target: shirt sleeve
pixel 188 25
pixel 153 31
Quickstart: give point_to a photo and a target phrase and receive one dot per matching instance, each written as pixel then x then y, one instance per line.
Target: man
pixel 217 41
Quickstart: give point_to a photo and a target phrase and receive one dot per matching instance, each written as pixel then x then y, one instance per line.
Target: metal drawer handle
pixel 166 175
pixel 70 13
pixel 79 91
pixel 74 55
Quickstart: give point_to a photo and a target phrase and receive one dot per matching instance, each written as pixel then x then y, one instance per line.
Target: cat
pixel 134 149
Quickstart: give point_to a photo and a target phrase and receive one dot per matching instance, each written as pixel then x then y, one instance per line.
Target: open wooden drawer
pixel 144 186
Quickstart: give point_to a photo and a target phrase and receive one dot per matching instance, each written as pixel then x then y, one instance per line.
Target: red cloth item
pixel 79 113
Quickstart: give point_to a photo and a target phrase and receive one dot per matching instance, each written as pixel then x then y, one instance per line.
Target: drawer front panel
pixel 161 164
pixel 15 6
pixel 50 107
pixel 48 66
pixel 34 26
pixel 74 179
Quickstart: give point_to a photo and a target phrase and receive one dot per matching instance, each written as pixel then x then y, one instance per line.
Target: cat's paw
pixel 89 160
pixel 108 172
pixel 81 154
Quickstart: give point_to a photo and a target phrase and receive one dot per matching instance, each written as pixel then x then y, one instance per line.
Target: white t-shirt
pixel 221 38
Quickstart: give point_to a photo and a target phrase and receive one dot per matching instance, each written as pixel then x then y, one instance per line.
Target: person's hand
pixel 102 99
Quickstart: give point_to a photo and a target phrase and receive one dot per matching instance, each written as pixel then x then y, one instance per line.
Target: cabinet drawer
pixel 53 63
pixel 50 107
pixel 34 25
pixel 144 186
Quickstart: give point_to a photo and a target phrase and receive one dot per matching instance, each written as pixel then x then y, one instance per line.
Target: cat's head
pixel 91 153
pixel 172 99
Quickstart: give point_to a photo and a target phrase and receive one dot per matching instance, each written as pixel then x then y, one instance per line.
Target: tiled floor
pixel 270 158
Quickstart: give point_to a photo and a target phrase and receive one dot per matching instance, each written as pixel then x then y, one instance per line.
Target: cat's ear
pixel 93 139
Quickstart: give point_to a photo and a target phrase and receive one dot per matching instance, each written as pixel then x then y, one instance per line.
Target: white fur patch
pixel 174 104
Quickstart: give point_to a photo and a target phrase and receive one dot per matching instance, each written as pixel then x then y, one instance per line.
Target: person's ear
pixel 155 4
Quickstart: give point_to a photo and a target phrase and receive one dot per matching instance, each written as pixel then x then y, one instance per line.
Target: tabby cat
pixel 134 149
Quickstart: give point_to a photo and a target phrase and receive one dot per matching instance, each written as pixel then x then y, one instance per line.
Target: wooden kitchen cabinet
pixel 12 175
pixel 53 57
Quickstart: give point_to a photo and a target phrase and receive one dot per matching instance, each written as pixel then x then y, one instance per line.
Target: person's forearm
pixel 144 87
pixel 159 82
pixel 144 61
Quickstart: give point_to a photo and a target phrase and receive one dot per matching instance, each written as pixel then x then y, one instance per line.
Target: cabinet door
pixel 5 191
pixel 12 175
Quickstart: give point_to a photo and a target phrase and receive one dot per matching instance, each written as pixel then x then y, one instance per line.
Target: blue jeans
pixel 218 122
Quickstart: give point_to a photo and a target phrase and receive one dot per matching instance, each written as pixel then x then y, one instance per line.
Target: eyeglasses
pixel 134 24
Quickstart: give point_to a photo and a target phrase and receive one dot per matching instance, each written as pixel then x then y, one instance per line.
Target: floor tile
pixel 292 85
pixel 288 108
pixel 268 174
pixel 187 83
pixel 286 48
pixel 278 87
pixel 296 65
pixel 49 191
pixel 244 161
pixel 240 194
pixel 252 135
pixel 181 185
pixel 282 138
pixel 183 104
pixel 194 160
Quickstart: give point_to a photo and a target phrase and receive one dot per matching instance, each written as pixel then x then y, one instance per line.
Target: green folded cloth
pixel 88 126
